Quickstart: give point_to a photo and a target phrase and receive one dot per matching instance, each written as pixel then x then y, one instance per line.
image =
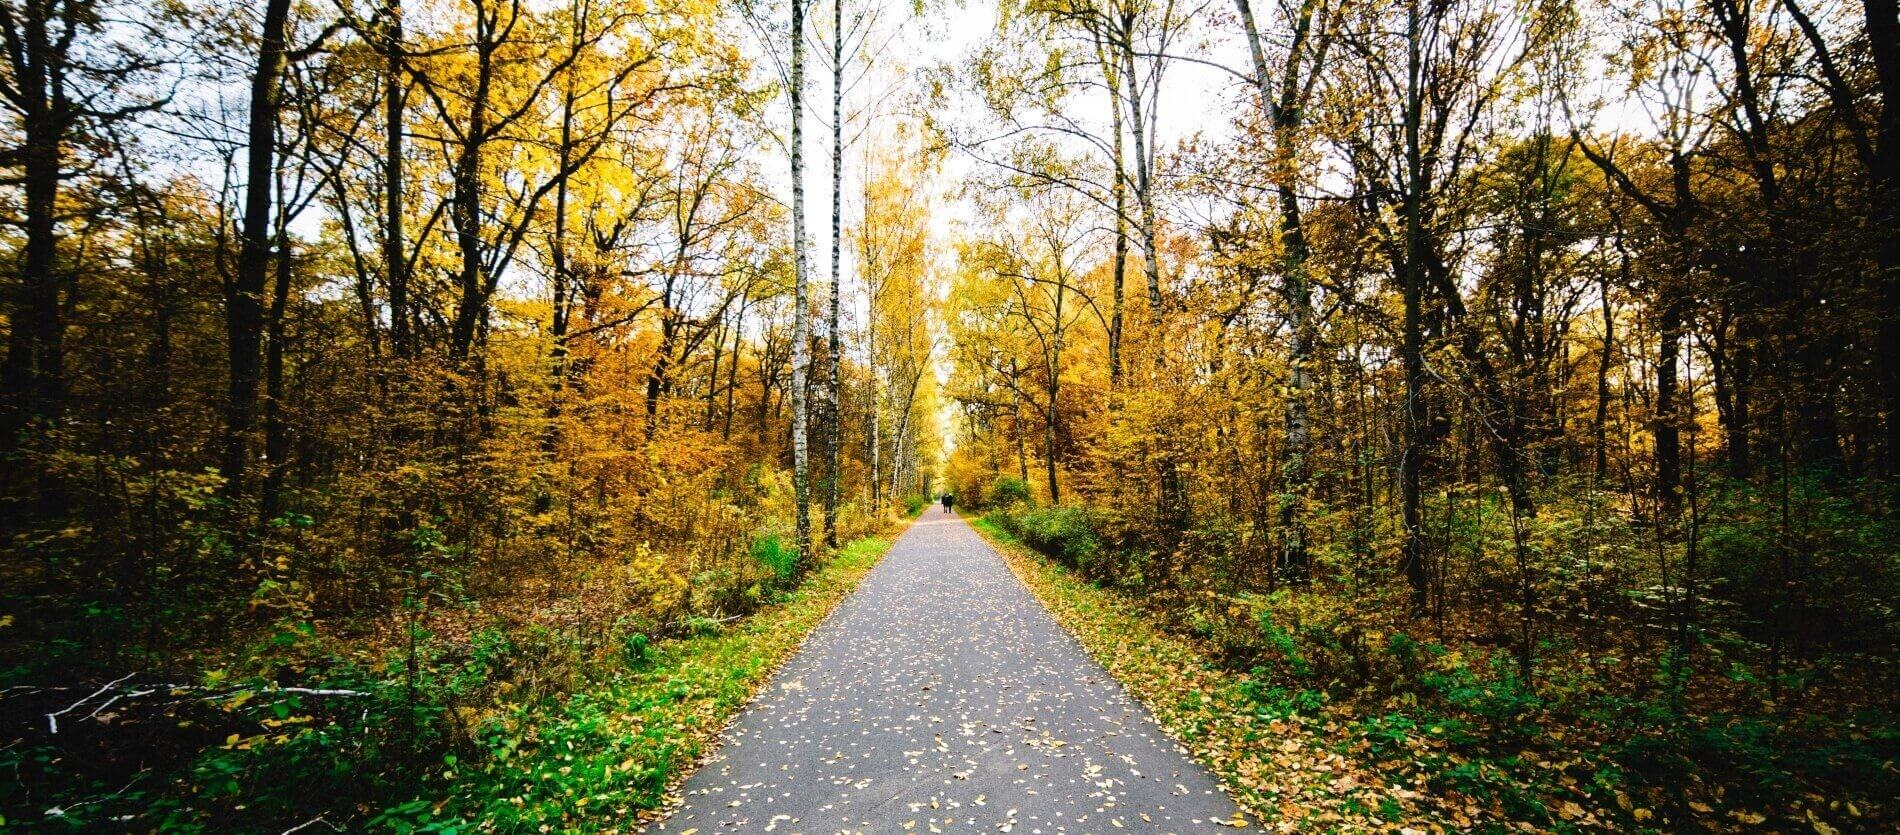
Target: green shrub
pixel 1281 646
pixel 1279 702
pixel 914 504
pixel 636 650
pixel 1826 571
pixel 776 554
pixel 1388 733
pixel 1008 490
pixel 1065 533
pixel 1502 700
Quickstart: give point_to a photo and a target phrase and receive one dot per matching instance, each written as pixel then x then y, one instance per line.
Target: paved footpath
pixel 942 697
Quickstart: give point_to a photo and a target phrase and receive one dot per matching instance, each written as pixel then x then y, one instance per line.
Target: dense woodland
pixel 1504 382
pixel 444 352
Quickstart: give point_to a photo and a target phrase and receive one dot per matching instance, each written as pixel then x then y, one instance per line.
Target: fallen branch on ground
pixel 128 694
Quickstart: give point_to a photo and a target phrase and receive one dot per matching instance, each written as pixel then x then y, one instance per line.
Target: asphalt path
pixel 942 697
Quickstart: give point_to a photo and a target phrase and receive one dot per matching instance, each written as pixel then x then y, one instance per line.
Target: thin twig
pixel 52 719
pixel 316 820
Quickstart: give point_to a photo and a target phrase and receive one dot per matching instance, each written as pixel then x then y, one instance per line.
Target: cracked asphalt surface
pixel 942 697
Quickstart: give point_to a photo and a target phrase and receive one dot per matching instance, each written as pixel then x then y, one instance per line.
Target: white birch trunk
pixel 801 305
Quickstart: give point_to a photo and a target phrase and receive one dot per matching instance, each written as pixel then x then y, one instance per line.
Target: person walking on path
pixel 948 501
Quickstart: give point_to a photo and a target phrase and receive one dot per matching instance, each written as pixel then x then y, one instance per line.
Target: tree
pixel 68 81
pixel 244 296
pixel 1284 103
pixel 801 305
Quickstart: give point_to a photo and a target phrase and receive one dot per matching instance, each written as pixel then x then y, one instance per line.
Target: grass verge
pixel 605 760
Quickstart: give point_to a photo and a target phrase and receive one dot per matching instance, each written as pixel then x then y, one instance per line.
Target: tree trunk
pixel 472 306
pixel 395 261
pixel 244 299
pixel 1412 557
pixel 1144 193
pixel 1741 385
pixel 732 369
pixel 1883 42
pixel 712 376
pixel 801 294
pixel 560 313
pixel 1284 120
pixel 1668 445
pixel 669 336
pixel 833 377
pixel 903 432
pixel 34 373
pixel 32 377
pixel 1599 424
pixel 1118 188
pixel 873 415
pixel 1052 416
pixel 276 431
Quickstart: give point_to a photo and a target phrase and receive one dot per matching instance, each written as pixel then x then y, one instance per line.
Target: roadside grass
pixel 1283 760
pixel 523 731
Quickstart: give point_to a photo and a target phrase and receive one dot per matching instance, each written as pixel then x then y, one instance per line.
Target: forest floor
pixel 942 697
pixel 596 755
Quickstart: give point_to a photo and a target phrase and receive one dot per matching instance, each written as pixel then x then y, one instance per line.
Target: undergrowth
pixel 401 744
pixel 1317 725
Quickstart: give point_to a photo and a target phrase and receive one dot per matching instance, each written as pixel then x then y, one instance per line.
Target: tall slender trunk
pixel 712 376
pixel 1283 115
pixel 1883 41
pixel 873 415
pixel 1119 189
pixel 1053 415
pixel 466 201
pixel 833 377
pixel 1172 500
pixel 1668 445
pixel 876 445
pixel 1412 557
pixel 1022 450
pixel 32 377
pixel 276 430
pixel 903 433
pixel 1144 193
pixel 1600 421
pixel 1599 425
pixel 244 300
pixel 732 369
pixel 657 376
pixel 1295 467
pixel 564 290
pixel 1741 386
pixel 801 294
pixel 1016 423
pixel 33 374
pixel 395 263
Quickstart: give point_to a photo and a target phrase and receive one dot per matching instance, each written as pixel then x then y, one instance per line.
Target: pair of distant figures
pixel 949 501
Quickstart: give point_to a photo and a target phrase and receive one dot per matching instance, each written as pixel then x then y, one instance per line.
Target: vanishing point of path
pixel 942 697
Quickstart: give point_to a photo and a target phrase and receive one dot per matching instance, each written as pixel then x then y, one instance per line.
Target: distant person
pixel 948 502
